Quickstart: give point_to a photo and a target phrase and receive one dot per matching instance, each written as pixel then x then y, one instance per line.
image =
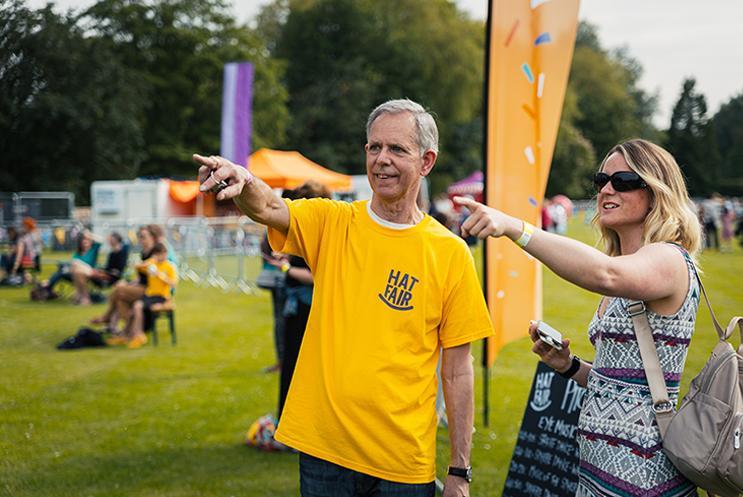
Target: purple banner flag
pixel 237 109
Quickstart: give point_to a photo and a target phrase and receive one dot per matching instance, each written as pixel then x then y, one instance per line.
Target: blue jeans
pixel 319 478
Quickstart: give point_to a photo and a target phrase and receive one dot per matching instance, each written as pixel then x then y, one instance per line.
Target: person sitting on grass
pixel 162 277
pixel 82 274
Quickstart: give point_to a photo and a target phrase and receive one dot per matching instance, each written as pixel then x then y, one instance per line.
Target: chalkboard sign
pixel 545 459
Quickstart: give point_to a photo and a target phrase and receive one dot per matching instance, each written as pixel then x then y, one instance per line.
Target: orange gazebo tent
pixel 289 169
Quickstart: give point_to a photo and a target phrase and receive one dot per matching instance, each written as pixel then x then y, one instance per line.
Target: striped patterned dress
pixel 620 446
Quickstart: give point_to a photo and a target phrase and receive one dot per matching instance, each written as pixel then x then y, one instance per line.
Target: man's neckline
pixel 388 224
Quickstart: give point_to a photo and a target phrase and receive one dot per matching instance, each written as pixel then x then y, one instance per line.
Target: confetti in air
pixel 543 38
pixel 537 3
pixel 529 111
pixel 513 32
pixel 527 70
pixel 533 201
pixel 540 85
pixel 529 153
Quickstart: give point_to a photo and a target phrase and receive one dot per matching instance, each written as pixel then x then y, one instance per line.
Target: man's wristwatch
pixel 465 473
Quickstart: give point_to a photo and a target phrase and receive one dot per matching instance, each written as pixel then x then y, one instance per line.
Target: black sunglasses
pixel 622 181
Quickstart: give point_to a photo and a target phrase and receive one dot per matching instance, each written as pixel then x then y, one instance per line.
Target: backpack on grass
pixel 85 337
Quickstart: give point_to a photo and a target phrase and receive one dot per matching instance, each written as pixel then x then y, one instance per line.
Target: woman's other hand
pixel 559 360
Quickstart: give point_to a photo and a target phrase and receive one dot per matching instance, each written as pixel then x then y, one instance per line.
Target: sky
pixel 672 40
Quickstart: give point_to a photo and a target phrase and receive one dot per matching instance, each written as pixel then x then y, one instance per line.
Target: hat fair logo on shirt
pixel 398 294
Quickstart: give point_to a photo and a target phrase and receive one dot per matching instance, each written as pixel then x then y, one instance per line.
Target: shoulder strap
pixel 736 321
pixel 690 261
pixel 661 404
pixel 720 333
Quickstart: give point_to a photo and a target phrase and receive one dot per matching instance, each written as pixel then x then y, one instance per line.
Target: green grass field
pixel 171 421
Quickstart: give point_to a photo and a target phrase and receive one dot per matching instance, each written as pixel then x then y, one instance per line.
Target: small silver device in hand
pixel 549 335
pixel 219 186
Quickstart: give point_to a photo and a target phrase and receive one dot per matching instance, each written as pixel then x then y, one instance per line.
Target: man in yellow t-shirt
pixel 392 288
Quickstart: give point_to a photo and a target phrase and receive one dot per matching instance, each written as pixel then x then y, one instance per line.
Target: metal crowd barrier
pixel 218 252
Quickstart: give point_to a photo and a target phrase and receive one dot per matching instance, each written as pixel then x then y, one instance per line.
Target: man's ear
pixel 429 160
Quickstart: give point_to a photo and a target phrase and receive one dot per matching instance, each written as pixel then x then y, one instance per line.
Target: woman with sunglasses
pixel 650 234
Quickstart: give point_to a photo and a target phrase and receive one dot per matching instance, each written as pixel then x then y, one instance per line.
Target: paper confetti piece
pixel 513 32
pixel 537 3
pixel 529 153
pixel 529 111
pixel 513 274
pixel 527 70
pixel 500 294
pixel 543 38
pixel 540 85
pixel 533 201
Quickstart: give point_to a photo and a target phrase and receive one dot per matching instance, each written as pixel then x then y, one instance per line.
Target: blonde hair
pixel 672 217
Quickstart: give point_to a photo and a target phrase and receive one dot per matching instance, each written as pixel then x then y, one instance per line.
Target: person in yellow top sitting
pixel 162 278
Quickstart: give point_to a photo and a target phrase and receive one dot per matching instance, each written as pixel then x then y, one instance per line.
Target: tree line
pixel 131 88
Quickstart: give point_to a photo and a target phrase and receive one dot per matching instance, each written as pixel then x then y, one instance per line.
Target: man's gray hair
pixel 426 132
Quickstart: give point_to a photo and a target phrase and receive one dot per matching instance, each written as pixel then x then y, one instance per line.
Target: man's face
pixel 394 164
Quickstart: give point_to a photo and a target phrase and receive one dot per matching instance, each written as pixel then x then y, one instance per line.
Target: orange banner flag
pixel 530 46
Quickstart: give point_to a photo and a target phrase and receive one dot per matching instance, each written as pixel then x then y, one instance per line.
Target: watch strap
pixel 574 367
pixel 465 473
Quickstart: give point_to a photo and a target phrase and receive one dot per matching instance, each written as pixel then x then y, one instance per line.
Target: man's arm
pixel 255 198
pixel 457 377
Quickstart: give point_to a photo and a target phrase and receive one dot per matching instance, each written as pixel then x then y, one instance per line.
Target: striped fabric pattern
pixel 620 445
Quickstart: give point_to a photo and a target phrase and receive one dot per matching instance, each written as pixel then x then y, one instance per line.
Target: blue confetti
pixel 533 201
pixel 543 38
pixel 527 70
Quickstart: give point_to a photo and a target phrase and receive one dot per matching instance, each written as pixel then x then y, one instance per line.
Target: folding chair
pixel 166 309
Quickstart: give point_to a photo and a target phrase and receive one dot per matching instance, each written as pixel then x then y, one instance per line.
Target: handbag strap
pixel 736 321
pixel 722 335
pixel 662 406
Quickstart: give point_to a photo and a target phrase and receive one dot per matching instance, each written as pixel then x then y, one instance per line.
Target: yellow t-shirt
pixel 364 390
pixel 156 286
